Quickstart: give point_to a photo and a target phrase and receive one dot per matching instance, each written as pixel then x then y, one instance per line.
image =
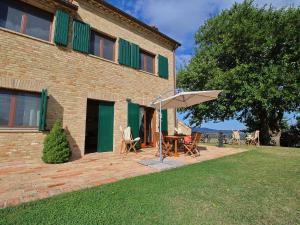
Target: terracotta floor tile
pixel 55 185
pixel 27 180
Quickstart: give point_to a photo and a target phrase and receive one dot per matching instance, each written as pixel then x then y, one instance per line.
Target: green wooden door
pixel 133 120
pixel 105 127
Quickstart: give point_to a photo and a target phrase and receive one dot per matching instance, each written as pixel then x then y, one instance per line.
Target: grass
pixel 261 186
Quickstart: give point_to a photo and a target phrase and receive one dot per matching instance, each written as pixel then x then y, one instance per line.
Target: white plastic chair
pixel 236 139
pixel 255 140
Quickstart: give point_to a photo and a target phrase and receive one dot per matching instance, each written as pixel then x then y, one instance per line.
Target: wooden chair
pixel 128 141
pixel 166 147
pixel 192 148
pixel 248 138
pixel 236 137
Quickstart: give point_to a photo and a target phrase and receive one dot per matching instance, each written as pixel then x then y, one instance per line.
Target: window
pixel 102 46
pixel 146 62
pixel 19 109
pixel 25 19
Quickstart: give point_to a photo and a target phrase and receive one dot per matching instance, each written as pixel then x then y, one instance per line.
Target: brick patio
pixel 27 180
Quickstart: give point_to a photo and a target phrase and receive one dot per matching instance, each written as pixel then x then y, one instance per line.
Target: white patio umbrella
pixel 182 100
pixel 186 99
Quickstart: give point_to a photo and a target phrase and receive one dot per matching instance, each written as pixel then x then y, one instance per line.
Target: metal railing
pixel 214 138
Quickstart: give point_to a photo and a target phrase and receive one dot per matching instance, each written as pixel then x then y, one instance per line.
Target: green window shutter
pixel 164 120
pixel 128 53
pixel 124 52
pixel 61 28
pixel 133 120
pixel 81 36
pixel 135 56
pixel 105 127
pixel 121 52
pixel 43 110
pixel 163 67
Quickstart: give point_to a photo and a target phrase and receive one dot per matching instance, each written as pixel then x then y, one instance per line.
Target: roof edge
pixel 108 5
pixel 68 4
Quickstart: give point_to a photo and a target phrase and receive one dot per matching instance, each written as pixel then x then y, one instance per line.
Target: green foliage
pixel 252 54
pixel 256 187
pixel 56 146
pixel 291 137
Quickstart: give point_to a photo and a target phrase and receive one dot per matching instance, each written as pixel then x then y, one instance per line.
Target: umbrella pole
pixel 160 136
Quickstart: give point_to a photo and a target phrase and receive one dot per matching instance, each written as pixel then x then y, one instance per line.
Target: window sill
pixel 103 59
pixel 26 36
pixel 152 74
pixel 164 78
pixel 114 62
pixel 19 130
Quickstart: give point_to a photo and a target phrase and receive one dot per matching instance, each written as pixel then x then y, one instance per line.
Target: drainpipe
pixel 174 74
pixel 160 133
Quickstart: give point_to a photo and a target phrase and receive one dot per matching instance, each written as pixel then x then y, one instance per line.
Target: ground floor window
pixel 19 109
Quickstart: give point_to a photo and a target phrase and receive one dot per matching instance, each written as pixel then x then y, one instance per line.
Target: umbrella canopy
pixel 186 99
pixel 182 100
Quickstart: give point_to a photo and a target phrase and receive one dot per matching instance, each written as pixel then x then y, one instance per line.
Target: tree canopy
pixel 253 55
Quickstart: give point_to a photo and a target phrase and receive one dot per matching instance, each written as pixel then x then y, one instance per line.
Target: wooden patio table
pixel 175 139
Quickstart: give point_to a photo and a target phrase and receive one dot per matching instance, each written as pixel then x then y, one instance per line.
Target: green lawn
pixel 261 186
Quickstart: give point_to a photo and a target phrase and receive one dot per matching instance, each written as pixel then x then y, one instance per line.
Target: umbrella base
pixel 165 165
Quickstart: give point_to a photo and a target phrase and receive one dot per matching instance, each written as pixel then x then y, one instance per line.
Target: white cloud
pixel 180 19
pixel 182 59
pixel 278 3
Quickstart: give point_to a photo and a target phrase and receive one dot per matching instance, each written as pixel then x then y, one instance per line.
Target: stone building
pixel 86 63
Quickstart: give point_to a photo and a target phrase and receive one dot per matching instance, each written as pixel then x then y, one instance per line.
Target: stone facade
pixel 30 64
pixel 183 129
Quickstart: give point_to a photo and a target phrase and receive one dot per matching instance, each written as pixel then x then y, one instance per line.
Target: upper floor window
pixel 19 109
pixel 146 62
pixel 26 19
pixel 102 46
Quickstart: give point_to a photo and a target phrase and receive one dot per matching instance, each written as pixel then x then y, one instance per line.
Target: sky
pixel 180 19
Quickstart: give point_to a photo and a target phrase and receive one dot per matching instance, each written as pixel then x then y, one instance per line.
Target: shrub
pixel 290 138
pixel 56 146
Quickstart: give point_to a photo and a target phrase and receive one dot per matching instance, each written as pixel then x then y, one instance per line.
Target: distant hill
pixel 209 130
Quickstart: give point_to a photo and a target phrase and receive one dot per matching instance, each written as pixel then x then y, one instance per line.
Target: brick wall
pixel 21 146
pixel 72 77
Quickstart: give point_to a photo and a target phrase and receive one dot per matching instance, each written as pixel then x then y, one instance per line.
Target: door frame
pixel 153 143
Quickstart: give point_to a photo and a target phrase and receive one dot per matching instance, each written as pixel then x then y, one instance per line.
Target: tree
pixel 252 54
pixel 56 146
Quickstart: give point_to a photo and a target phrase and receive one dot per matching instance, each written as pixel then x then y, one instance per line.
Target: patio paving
pixel 27 180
